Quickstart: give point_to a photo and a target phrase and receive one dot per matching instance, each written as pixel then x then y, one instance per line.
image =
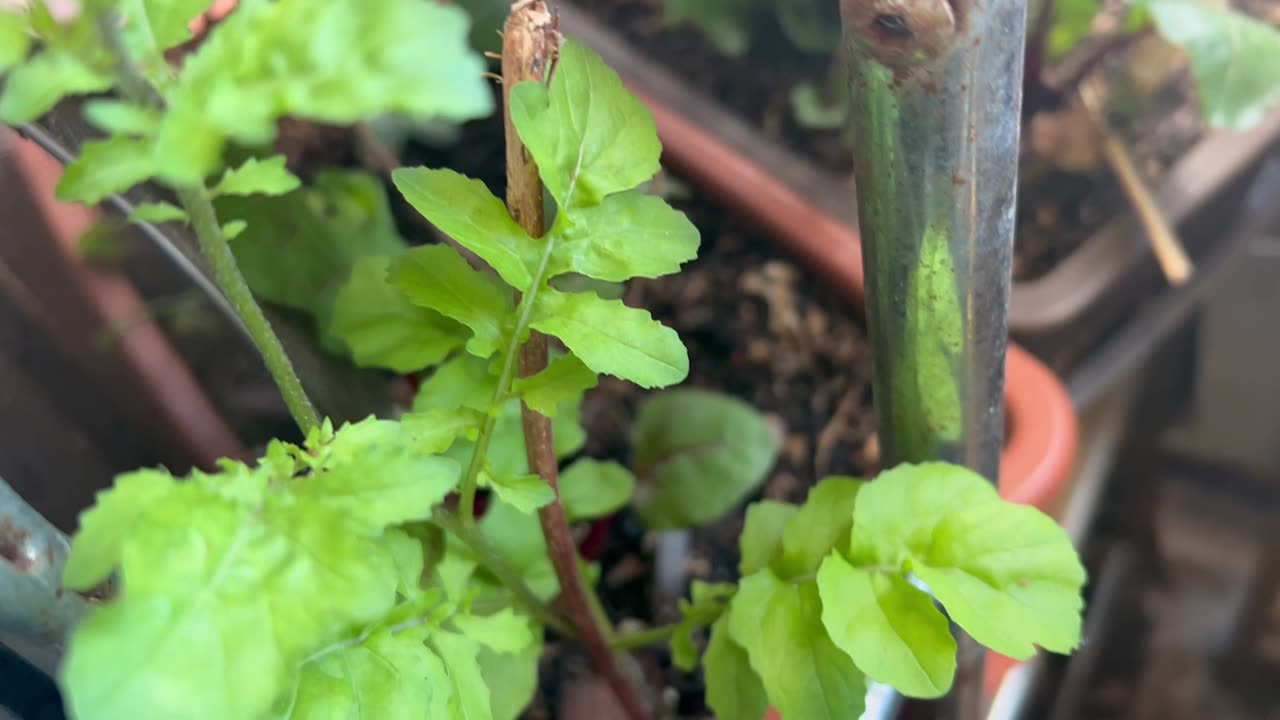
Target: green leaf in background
pixel 805 675
pixel 707 604
pixel 160 212
pixel 470 694
pixel 890 628
pixel 123 118
pixel 104 168
pixel 629 234
pixel 512 679
pixel 338 62
pixel 464 381
pixel 298 247
pixel 437 277
pixel 812 26
pixel 466 211
pixel 233 229
pixel 611 338
pixel 517 538
pixel 410 561
pixel 525 493
pixel 595 488
pixel 814 111
pixel 590 137
pixel 1072 22
pixel 761 538
pixel 698 454
pixel 258 177
pixel 382 329
pixel 15 42
pixel 563 381
pixel 104 526
pixel 433 431
pixel 1233 58
pixel 389 675
pixel 734 691
pixel 821 524
pixel 153 26
pixel 726 23
pixel 1006 573
pixel 35 86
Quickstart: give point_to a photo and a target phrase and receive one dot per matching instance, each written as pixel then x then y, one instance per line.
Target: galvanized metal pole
pixel 937 95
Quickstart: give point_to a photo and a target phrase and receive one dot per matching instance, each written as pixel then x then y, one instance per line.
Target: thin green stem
pixel 510 353
pixel 507 575
pixel 227 274
pixel 644 638
pixel 214 245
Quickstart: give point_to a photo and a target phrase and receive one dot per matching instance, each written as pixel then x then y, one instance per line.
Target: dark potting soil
pixel 1059 209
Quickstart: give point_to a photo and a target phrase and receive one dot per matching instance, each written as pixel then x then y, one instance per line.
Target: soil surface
pixel 1060 206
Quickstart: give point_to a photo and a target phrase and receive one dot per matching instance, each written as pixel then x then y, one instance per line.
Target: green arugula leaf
pixel 805 675
pixel 232 230
pixel 160 212
pixel 761 538
pixel 466 211
pixel 734 690
pixel 437 277
pixel 890 628
pixel 470 695
pixel 15 42
pixel 389 675
pixel 823 523
pixel 589 136
pixel 512 679
pixel 726 23
pixel 526 493
pixel 503 631
pixel 595 488
pixel 371 474
pixel 32 88
pixel 562 382
pixel 337 63
pixel 105 167
pixel 630 234
pixel 382 329
pixel 707 606
pixel 698 454
pixel 1232 57
pixel 410 561
pixel 1006 573
pixel 258 586
pixel 316 232
pixel 464 381
pixel 258 177
pixel 122 118
pixel 611 338
pixel 104 526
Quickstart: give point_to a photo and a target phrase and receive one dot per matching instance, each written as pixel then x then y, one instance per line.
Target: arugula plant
pixel 349 575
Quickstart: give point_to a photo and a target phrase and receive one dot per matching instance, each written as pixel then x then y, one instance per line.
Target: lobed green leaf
pixel 804 674
pixel 33 87
pixel 734 690
pixel 611 338
pixel 595 488
pixel 438 278
pixel 466 211
pixel 761 539
pixel 629 234
pixel 821 525
pixel 525 493
pixel 707 604
pixel 589 136
pixel 562 382
pixel 890 628
pixel 160 212
pixel 389 675
pixel 258 177
pixel 104 168
pixel 104 527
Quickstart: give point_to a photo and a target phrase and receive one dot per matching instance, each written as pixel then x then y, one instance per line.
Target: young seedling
pixel 351 574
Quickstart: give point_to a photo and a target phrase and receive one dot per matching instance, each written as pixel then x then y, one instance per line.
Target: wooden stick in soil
pixel 1164 241
pixel 530 43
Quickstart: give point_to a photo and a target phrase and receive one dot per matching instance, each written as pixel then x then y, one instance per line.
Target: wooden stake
pixel 1164 241
pixel 530 46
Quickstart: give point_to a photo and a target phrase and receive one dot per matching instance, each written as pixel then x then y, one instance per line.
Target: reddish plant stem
pixel 530 44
